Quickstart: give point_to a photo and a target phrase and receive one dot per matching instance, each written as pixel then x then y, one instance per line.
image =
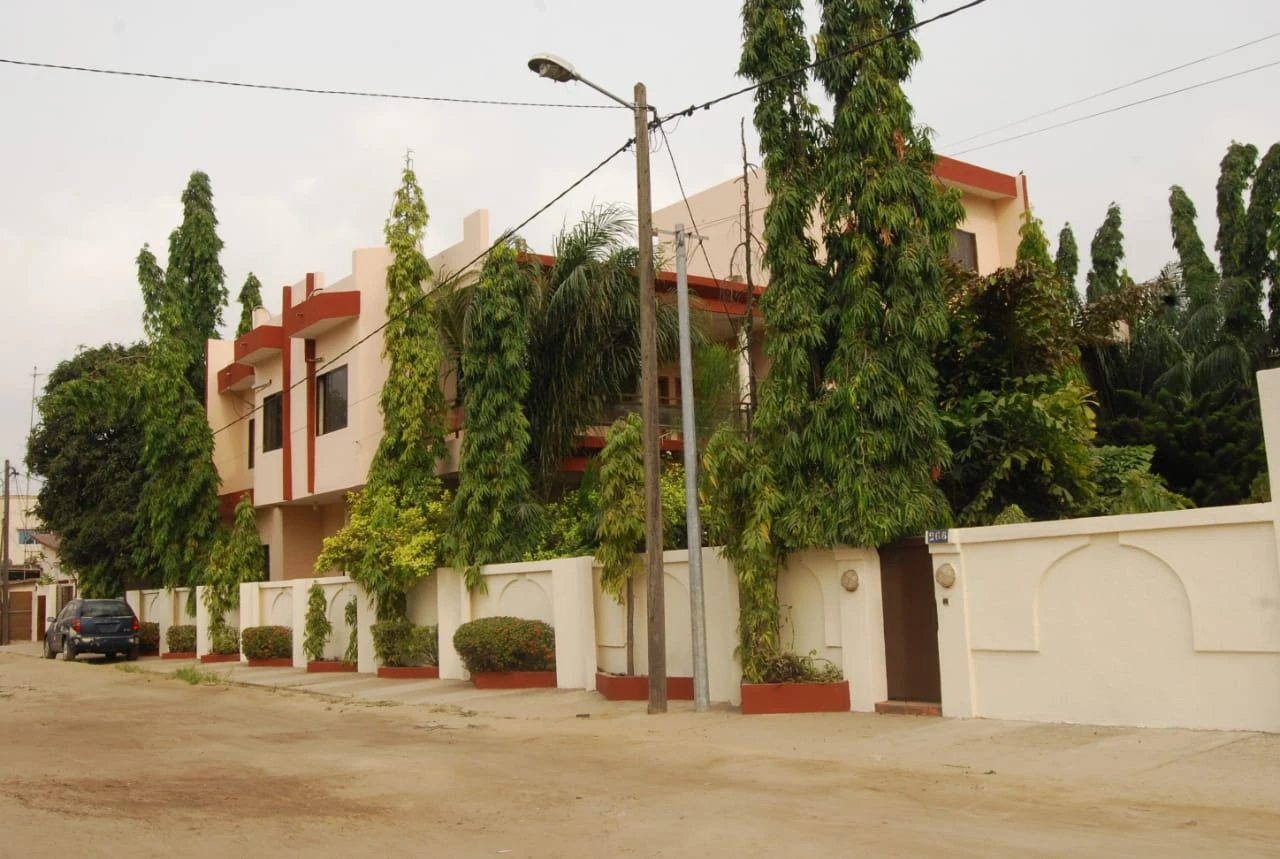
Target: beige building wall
pixel 298 510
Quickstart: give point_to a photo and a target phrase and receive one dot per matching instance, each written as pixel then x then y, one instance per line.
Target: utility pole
pixel 655 596
pixel 561 71
pixel 4 559
pixel 693 518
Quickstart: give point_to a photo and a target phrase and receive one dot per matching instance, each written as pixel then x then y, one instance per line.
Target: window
pixel 27 536
pixel 273 422
pixel 964 250
pixel 331 401
pixel 251 438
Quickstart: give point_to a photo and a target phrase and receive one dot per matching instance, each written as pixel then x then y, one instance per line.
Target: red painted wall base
pixel 409 672
pixel 635 687
pixel 514 680
pixel 330 666
pixel 760 698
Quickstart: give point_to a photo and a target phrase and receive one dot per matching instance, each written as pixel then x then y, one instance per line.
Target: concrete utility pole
pixel 4 560
pixel 693 517
pixel 561 71
pixel 655 596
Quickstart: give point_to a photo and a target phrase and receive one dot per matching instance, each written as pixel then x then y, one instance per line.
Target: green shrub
pixel 506 644
pixel 318 629
pixel 224 639
pixel 794 668
pixel 399 643
pixel 181 639
pixel 350 615
pixel 149 637
pixel 267 642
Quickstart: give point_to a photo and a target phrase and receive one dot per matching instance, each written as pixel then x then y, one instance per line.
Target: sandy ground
pixel 97 756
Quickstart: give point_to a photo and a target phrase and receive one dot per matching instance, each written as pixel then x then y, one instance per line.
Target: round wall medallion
pixel 945 576
pixel 849 580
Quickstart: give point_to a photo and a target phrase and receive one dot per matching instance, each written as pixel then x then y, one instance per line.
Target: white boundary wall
pixel 163 607
pixel 1162 619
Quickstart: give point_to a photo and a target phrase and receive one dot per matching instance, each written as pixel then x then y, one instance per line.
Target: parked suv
pixel 108 627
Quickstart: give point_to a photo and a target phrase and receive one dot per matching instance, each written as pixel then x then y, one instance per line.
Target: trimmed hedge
pixel 224 640
pixel 401 644
pixel 267 642
pixel 506 644
pixel 149 637
pixel 181 638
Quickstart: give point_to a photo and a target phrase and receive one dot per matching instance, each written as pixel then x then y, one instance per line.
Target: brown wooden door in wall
pixel 19 615
pixel 910 622
pixel 42 612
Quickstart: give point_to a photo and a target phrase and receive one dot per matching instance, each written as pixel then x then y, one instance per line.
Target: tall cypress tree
pixel 194 278
pixel 178 507
pixel 1236 171
pixel 413 406
pixel 1198 273
pixel 1067 262
pixel 887 227
pixel 494 515
pixel 393 536
pixel 250 299
pixel 1260 268
pixel 1033 245
pixel 1106 252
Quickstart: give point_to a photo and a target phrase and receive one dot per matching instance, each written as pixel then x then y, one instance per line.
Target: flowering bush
pixel 181 639
pixel 267 642
pixel 506 644
pixel 149 637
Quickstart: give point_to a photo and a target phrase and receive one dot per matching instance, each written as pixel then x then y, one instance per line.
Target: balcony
pixel 322 311
pixel 235 377
pixel 261 344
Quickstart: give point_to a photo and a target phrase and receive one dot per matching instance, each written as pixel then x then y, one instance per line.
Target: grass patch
pixel 130 668
pixel 197 677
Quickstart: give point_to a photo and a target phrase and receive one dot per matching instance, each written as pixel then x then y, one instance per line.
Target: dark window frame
pixel 252 440
pixel 273 422
pixel 964 249
pixel 331 404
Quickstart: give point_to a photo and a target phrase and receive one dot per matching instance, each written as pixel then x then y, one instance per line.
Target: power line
pixel 507 235
pixel 1118 108
pixel 895 34
pixel 1114 89
pixel 308 90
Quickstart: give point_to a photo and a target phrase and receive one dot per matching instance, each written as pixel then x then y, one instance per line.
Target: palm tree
pixel 584 349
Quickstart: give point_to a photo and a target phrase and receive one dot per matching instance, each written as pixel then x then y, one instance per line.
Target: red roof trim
pixel 973 176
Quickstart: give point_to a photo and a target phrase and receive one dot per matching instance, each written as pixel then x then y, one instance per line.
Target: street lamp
pixel 559 70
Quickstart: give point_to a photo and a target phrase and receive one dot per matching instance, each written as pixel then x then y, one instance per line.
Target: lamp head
pixel 553 67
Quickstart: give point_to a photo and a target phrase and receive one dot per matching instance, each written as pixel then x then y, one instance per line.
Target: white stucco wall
pixel 1162 620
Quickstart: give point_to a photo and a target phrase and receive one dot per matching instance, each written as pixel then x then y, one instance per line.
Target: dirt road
pixel 94 757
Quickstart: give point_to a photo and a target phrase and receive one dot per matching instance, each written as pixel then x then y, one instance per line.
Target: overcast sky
pixel 92 166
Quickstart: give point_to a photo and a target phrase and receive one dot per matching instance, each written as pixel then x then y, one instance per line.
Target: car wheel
pixel 68 651
pixel 132 655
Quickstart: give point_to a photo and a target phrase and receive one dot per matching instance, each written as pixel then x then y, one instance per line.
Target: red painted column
pixel 309 356
pixel 286 404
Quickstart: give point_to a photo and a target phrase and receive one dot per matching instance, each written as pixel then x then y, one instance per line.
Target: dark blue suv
pixel 108 627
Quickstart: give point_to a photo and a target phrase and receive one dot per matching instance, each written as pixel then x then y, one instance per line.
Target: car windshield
pixel 105 608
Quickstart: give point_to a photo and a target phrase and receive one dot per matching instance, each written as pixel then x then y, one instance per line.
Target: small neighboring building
pixel 294 402
pixel 38 587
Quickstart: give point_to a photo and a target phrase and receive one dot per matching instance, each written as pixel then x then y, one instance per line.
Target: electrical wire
pixel 894 34
pixel 1114 89
pixel 307 90
pixel 1118 108
pixel 506 236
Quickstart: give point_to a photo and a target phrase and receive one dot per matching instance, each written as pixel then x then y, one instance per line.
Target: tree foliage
pixel 392 537
pixel 1199 276
pixel 494 517
pixel 319 629
pixel 250 299
pixel 848 432
pixel 1067 263
pixel 178 507
pixel 1106 253
pixel 235 558
pixel 1235 173
pixel 1033 245
pixel 87 447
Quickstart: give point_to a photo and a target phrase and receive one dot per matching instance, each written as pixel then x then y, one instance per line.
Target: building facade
pixel 294 403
